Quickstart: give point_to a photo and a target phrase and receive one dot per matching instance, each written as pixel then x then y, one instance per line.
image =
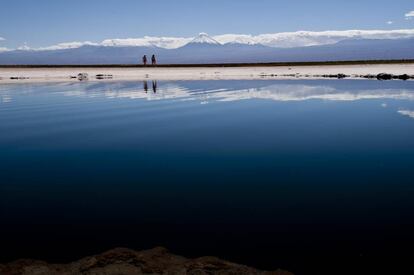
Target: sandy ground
pixel 28 75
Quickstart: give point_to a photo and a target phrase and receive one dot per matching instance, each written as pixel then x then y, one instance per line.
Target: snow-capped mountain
pixel 204 38
pixel 276 40
pixel 148 41
pixel 224 49
pixel 201 45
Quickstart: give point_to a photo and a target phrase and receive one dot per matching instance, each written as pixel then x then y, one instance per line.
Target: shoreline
pixel 220 65
pixel 13 74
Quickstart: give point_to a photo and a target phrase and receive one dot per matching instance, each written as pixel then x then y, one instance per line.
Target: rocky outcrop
pixel 123 261
pixel 384 76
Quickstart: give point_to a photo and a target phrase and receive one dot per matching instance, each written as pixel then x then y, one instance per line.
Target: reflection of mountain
pixel 243 90
pixel 210 91
pixel 205 49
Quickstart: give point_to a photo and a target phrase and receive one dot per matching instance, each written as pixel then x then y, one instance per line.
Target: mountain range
pixel 206 49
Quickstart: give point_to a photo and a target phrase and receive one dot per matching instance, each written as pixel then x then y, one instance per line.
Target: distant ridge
pixel 206 50
pixel 269 64
pixel 273 40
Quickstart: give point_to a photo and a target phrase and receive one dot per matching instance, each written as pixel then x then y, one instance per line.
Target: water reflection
pixel 226 92
pixel 408 113
pixel 206 92
pixel 5 98
pixel 146 86
pixel 273 165
pixel 154 86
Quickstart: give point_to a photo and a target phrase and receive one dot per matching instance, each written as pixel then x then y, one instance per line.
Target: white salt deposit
pixel 197 73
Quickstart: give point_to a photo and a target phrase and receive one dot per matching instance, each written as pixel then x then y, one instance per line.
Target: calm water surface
pixel 306 176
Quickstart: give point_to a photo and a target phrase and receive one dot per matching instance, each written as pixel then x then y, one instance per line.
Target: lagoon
pixel 302 175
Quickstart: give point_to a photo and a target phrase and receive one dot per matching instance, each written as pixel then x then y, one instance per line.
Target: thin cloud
pixel 3 49
pixel 390 22
pixel 409 15
pixel 69 45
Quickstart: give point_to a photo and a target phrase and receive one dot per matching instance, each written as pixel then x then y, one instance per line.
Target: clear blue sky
pixel 47 22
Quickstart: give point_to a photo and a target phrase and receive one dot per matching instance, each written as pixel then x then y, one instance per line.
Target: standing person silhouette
pixel 153 60
pixel 144 60
pixel 146 86
pixel 154 86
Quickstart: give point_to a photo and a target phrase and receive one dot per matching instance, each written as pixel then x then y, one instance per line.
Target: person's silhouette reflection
pixel 146 86
pixel 154 86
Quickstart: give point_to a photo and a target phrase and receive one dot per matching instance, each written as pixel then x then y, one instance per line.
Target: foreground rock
pixel 123 261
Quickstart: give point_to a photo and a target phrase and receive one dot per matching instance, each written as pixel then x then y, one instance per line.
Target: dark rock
pixel 18 78
pixel 369 76
pixel 339 76
pixel 123 261
pixel 104 76
pixel 404 77
pixel 384 76
pixel 83 76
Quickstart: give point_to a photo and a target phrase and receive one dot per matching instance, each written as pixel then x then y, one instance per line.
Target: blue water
pixel 306 176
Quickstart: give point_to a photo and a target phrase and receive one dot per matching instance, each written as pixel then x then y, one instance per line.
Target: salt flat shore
pixel 62 74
